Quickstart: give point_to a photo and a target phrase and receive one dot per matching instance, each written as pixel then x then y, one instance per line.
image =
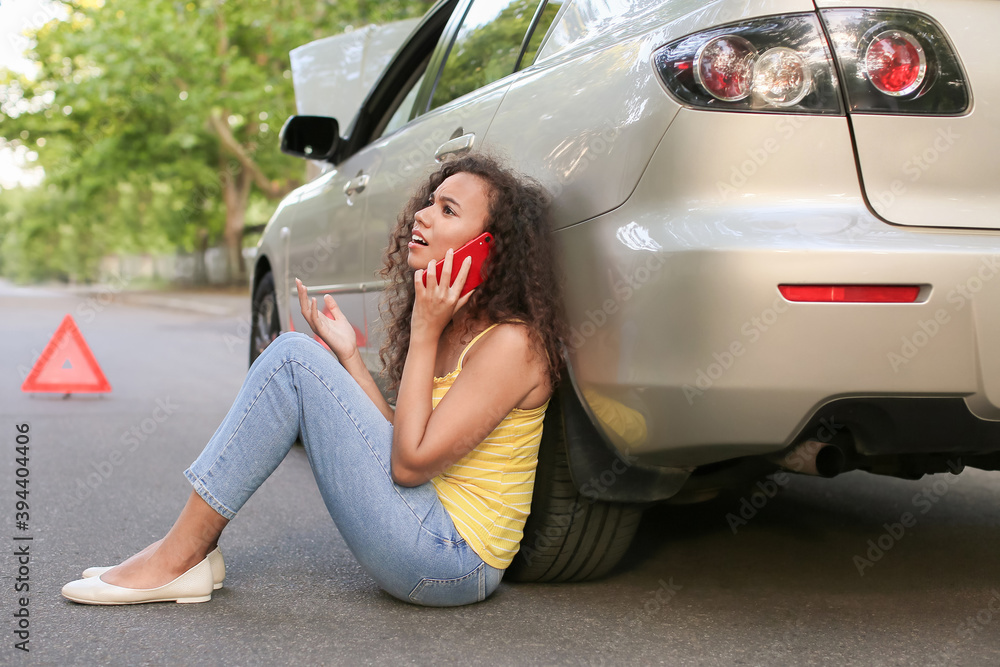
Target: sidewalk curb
pixel 175 303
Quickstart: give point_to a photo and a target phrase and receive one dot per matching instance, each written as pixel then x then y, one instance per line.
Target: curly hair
pixel 522 279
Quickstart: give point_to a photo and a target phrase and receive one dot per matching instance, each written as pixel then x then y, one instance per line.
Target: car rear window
pixel 486 47
pixel 549 12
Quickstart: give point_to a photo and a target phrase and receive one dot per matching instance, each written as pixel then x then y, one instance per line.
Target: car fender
pixel 598 466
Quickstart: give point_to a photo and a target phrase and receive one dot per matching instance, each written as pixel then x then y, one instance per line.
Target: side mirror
pixel 311 137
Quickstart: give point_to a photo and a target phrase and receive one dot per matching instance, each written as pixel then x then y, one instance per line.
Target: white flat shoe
pixel 195 585
pixel 214 559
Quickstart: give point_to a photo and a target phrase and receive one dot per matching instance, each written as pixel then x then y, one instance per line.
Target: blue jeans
pixel 402 536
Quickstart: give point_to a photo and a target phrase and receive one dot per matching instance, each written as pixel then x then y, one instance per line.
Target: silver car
pixel 779 222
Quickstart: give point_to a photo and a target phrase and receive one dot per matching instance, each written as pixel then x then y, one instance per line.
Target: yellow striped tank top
pixel 488 491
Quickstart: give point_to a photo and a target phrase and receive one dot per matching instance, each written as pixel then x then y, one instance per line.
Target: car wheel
pixel 264 324
pixel 568 536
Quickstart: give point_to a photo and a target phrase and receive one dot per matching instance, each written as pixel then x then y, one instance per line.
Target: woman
pixel 431 496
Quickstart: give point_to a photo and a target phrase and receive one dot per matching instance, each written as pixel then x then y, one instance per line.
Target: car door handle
pixel 462 144
pixel 356 184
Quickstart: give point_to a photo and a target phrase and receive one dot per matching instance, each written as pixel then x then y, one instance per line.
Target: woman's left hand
pixel 335 330
pixel 436 303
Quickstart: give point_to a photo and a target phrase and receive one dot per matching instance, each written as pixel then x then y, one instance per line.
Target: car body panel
pixel 604 106
pixel 584 26
pixel 915 168
pixel 324 243
pixel 680 307
pixel 274 253
pixel 587 152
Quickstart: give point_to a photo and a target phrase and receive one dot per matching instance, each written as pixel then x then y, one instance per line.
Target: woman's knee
pixel 297 346
pixel 294 343
pixel 287 346
pixel 292 335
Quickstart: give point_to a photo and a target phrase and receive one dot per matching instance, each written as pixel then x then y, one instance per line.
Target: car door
pixel 325 245
pixel 463 85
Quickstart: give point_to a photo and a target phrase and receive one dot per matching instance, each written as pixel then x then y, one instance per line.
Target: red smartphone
pixel 478 249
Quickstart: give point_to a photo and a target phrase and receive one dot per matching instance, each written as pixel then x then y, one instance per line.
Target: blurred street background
pixel 139 140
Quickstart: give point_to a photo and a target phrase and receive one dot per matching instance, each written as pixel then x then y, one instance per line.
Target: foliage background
pixel 156 123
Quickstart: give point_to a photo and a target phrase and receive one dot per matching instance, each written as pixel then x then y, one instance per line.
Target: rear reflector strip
pixel 850 293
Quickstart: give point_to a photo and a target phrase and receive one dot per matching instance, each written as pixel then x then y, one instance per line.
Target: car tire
pixel 264 323
pixel 568 536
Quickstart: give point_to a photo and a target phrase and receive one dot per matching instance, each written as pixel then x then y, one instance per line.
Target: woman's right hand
pixel 435 303
pixel 336 331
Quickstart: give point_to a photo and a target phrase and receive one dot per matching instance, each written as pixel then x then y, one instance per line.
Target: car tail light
pixel 781 77
pixel 850 293
pixel 896 62
pixel 779 63
pixel 890 61
pixel 724 67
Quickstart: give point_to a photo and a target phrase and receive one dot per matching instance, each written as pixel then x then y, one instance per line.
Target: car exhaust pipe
pixel 813 457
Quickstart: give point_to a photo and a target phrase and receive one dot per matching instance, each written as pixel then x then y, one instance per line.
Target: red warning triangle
pixel 66 365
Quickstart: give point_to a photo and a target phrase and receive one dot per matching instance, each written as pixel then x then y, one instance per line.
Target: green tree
pixel 156 122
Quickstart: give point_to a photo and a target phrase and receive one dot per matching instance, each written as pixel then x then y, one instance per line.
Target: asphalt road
pixel 858 570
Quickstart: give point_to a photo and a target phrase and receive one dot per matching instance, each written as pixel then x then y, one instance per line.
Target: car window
pixel 486 47
pixel 549 12
pixel 396 119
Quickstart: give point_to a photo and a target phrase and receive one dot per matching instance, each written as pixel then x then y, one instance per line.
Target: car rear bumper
pixel 686 353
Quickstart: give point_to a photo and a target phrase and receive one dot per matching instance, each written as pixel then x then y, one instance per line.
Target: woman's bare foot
pixel 144 551
pixel 194 534
pixel 154 566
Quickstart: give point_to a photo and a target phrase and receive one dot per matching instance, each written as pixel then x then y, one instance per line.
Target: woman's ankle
pixel 180 555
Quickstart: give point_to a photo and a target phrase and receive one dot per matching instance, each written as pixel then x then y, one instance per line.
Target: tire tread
pixel 569 537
